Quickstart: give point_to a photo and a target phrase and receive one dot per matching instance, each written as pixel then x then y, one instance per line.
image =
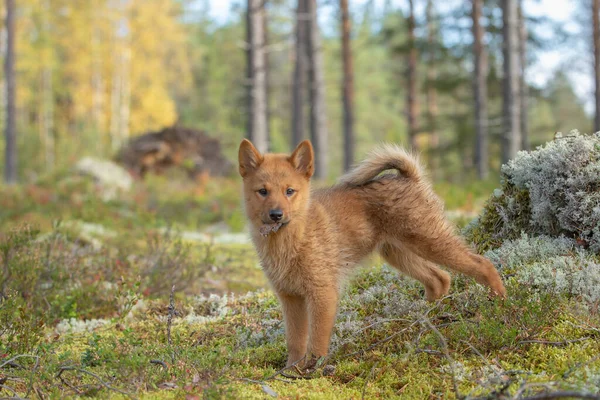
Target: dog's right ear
pixel 248 157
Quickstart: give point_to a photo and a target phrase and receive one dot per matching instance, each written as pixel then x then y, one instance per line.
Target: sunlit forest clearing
pixel 126 264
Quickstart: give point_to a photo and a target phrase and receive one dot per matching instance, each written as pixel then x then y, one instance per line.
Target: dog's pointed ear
pixel 248 157
pixel 303 158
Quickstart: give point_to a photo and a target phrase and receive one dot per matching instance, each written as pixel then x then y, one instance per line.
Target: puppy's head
pixel 276 186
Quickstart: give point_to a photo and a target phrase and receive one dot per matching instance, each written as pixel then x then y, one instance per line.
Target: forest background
pixel 91 74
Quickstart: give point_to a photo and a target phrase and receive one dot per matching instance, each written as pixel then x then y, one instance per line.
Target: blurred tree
pixel 523 87
pixel 347 87
pixel 10 169
pixel 159 67
pixel 566 109
pixel 300 68
pixel 257 96
pixel 316 82
pixel 480 92
pixel 596 45
pixel 411 79
pixel 432 106
pixel 512 120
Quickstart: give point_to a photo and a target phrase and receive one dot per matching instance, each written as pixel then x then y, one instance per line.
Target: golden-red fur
pixel 323 234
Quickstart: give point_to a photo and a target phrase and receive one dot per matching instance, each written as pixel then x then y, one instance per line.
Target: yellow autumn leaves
pixel 113 67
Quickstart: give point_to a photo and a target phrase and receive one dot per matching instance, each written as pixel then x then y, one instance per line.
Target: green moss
pixel 492 228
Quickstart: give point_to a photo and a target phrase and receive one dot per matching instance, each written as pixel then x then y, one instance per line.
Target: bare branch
pixel 553 343
pixel 83 371
pixel 444 344
pixel 171 313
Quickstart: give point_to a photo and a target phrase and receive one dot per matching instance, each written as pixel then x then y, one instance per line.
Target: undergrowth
pixel 116 299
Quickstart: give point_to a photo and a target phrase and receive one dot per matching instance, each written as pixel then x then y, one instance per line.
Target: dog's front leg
pixel 296 326
pixel 322 307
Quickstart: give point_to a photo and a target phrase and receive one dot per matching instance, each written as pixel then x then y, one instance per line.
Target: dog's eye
pixel 290 191
pixel 263 192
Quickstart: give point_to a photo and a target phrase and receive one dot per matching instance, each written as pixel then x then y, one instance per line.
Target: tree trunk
pixel 432 107
pixel 47 117
pixel 47 97
pixel 10 170
pixel 512 117
pixel 411 79
pixel 98 106
pixel 267 78
pixel 596 41
pixel 257 99
pixel 115 106
pixel 523 88
pixel 480 93
pixel 318 115
pixel 347 88
pixel 299 79
pixel 125 106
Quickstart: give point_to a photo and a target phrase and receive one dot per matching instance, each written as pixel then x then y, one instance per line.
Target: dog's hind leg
pixel 433 238
pixel 435 280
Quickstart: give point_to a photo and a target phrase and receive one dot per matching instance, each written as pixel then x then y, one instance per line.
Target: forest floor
pixel 157 293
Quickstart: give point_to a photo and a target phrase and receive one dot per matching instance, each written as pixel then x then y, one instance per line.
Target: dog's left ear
pixel 303 159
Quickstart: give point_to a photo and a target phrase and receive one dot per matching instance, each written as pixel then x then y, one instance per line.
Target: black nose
pixel 276 215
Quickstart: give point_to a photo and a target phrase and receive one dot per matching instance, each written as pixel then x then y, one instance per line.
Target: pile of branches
pixel 175 146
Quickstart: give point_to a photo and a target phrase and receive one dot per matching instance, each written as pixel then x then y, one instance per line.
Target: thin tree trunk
pixel 249 70
pixel 512 117
pixel 258 95
pixel 411 79
pixel 523 88
pixel 97 84
pixel 125 106
pixel 10 170
pixel 347 88
pixel 480 93
pixel 3 36
pixel 115 101
pixel 47 114
pixel 299 79
pixel 267 78
pixel 318 115
pixel 432 107
pixel 596 41
pixel 47 98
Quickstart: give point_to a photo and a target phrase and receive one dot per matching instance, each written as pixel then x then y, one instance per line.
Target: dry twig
pixel 83 371
pixel 446 351
pixel 171 313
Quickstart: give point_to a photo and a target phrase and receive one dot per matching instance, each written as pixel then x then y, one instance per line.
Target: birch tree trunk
pixel 115 102
pixel 411 79
pixel 125 104
pixel 10 169
pixel 596 43
pixel 98 111
pixel 299 78
pixel 318 115
pixel 480 93
pixel 257 99
pixel 347 87
pixel 511 142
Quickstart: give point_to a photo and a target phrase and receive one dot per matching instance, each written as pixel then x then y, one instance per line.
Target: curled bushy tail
pixel 383 158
